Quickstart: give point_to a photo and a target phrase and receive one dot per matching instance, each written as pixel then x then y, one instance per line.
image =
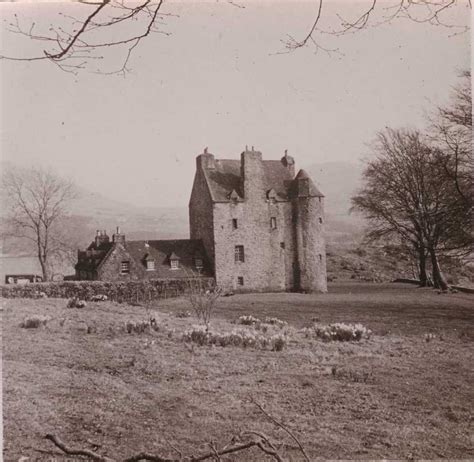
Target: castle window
pixel 239 253
pixel 282 245
pixel 273 223
pixel 320 220
pixel 320 257
pixel 240 281
pixel 150 265
pixel 125 267
pixel 234 223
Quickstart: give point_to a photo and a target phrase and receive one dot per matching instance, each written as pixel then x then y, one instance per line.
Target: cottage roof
pixel 226 177
pixel 186 250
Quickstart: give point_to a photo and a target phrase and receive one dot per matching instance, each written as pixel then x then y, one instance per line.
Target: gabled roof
pixel 303 186
pixel 184 250
pixel 226 177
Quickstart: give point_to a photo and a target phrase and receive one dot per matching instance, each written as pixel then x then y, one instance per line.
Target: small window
pixel 240 281
pixel 273 223
pixel 282 245
pixel 234 223
pixel 174 264
pixel 150 265
pixel 320 220
pixel 125 267
pixel 198 263
pixel 239 253
pixel 320 257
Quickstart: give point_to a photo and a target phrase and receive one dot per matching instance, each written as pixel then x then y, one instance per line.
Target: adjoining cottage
pixel 122 260
pixel 254 226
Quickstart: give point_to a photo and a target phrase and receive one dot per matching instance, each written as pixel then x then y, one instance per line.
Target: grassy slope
pixel 126 394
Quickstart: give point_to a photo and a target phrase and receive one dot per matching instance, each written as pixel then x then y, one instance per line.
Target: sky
pixel 220 80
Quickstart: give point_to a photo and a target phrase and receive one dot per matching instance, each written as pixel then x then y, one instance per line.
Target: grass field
pixel 395 395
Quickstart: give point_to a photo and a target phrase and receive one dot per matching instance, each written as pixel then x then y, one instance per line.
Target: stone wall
pixel 110 268
pixel 310 270
pixel 201 214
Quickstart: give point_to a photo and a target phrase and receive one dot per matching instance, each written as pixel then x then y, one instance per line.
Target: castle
pixel 254 226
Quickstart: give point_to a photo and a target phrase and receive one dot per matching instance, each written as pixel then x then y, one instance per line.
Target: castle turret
pixel 308 218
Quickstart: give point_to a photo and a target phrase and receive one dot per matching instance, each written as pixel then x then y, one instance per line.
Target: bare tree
pixel 452 133
pixel 407 193
pixel 87 28
pixel 35 202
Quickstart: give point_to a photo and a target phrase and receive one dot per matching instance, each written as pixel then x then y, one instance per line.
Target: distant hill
pixel 92 211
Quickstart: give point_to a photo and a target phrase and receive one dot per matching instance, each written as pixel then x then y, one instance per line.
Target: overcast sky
pixel 218 81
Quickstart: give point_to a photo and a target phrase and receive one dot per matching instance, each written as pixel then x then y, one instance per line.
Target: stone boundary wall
pixel 132 291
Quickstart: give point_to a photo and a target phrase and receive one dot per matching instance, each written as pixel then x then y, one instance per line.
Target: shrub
pixel 99 298
pixel 248 320
pixel 137 291
pixel 183 314
pixel 237 337
pixel 340 332
pixel 139 327
pixel 33 322
pixel 202 298
pixel 278 342
pixel 76 303
pixel 275 322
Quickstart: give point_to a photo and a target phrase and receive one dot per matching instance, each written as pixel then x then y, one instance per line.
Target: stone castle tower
pixel 261 226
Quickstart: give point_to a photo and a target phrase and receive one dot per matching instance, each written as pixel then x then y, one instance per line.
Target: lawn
pixel 398 394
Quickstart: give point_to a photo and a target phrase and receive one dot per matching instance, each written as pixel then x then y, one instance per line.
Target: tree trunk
pixel 438 277
pixel 44 267
pixel 423 276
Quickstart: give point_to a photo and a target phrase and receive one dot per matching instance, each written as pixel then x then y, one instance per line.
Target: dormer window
pixel 174 261
pixel 149 262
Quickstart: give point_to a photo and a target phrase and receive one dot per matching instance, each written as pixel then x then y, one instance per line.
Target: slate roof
pixel 186 250
pixel 304 188
pixel 226 177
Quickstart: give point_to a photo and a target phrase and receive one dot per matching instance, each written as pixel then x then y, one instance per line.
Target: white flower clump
pixel 339 332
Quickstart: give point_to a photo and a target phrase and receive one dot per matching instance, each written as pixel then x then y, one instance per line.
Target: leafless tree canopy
pixel 98 26
pixel 35 201
pixel 407 193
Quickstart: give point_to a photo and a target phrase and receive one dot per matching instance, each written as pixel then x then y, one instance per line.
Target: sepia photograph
pixel 236 230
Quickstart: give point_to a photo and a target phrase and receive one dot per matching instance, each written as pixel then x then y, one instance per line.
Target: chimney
pixel 289 163
pixel 205 160
pixel 118 236
pixel 101 238
pixel 251 172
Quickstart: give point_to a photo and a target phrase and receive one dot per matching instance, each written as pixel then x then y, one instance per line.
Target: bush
pixel 139 327
pixel 278 342
pixel 137 291
pixel 339 332
pixel 275 322
pixel 76 303
pixel 99 298
pixel 33 322
pixel 202 298
pixel 237 337
pixel 248 320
